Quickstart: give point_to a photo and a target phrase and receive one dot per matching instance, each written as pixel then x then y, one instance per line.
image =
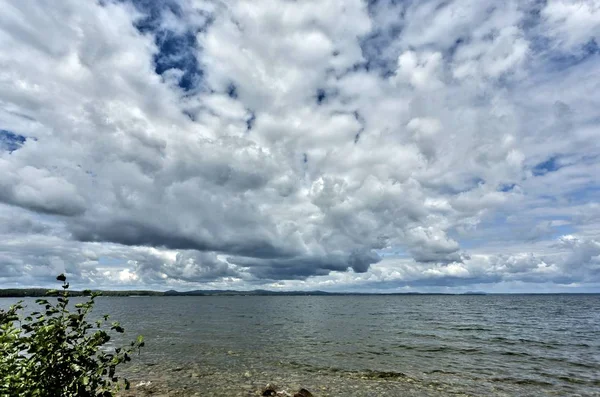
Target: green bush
pixel 57 352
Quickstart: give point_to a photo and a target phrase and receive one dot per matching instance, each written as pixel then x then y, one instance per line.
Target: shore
pixel 194 379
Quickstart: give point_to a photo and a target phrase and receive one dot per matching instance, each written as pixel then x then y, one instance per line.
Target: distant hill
pixel 259 292
pixel 38 292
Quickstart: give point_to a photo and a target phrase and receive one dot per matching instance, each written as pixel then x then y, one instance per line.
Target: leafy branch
pixel 57 352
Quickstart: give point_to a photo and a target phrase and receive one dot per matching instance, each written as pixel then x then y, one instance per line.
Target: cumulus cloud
pixel 572 24
pixel 306 144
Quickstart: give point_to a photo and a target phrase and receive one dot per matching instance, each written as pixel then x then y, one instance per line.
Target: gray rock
pixel 303 393
pixel 269 390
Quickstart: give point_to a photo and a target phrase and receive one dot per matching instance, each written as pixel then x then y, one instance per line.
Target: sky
pixel 338 145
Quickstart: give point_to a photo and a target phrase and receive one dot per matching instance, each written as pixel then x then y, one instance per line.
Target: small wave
pixel 469 328
pixel 508 341
pixel 406 347
pixel 547 345
pixel 563 361
pixel 419 335
pixel 583 365
pixel 500 339
pixel 382 375
pixel 570 379
pixel 441 371
pixel 365 374
pixel 516 381
pixel 518 354
pixel 442 349
pixel 378 353
pixel 579 345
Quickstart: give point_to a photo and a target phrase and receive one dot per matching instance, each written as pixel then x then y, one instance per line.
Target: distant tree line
pixel 37 292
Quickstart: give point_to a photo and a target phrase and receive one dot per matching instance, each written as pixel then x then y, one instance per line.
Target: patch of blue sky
pixel 473 240
pixel 563 229
pixel 529 227
pixel 532 15
pixel 556 61
pixel 506 187
pixel 321 96
pixel 250 121
pixel 551 56
pixel 176 49
pixel 379 47
pixel 10 141
pixel 551 164
pixel 378 55
pixel 584 195
pixel 392 252
pixel 232 91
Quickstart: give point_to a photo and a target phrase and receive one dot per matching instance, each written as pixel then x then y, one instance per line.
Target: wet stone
pixel 303 393
pixel 269 390
pixel 199 378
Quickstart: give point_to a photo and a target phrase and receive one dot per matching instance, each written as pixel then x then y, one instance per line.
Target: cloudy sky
pixel 341 145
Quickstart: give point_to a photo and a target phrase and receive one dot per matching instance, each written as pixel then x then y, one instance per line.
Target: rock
pixel 143 384
pixel 269 390
pixel 303 393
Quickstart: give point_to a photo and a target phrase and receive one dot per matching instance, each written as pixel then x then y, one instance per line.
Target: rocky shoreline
pixel 196 379
pixel 149 388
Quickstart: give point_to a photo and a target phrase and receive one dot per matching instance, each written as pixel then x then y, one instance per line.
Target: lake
pixel 364 345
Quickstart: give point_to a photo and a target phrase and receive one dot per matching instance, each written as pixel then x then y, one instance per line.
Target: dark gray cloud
pixel 305 266
pixel 138 233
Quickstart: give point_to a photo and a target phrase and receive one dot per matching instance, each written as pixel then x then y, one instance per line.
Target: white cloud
pixel 311 138
pixel 572 24
pixel 420 70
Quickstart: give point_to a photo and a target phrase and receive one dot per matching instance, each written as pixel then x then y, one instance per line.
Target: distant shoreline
pixel 40 292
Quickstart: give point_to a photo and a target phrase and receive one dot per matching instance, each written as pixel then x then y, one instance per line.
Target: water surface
pixel 368 345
